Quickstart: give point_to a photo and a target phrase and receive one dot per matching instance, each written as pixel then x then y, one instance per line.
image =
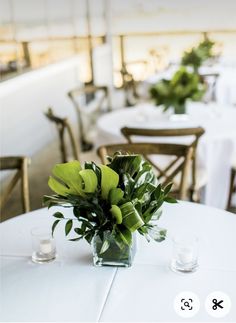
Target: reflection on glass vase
pixel 117 254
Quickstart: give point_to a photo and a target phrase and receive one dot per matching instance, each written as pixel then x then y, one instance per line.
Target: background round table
pixel 72 289
pixel 216 150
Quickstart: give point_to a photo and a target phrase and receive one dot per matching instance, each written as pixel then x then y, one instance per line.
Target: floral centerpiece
pixel 199 54
pixel 174 93
pixel 110 203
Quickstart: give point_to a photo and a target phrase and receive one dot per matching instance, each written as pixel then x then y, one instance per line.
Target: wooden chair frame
pixel 205 77
pixel 175 167
pixel 232 187
pixel 129 84
pixel 20 164
pixel 196 132
pixel 63 126
pixel 77 92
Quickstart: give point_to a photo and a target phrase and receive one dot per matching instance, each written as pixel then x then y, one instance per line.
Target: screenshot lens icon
pixel 186 304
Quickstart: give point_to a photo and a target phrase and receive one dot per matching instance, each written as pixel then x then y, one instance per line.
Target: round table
pixel 216 150
pixel 72 289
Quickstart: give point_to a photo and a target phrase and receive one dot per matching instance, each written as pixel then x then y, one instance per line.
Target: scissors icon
pixel 217 304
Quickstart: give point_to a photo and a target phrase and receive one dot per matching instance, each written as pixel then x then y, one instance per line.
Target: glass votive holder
pixel 185 254
pixel 44 249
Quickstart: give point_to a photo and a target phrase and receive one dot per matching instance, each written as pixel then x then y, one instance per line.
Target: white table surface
pixel 216 150
pixel 72 289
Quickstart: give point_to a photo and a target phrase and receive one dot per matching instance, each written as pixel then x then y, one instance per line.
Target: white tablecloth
pixel 217 147
pixel 71 289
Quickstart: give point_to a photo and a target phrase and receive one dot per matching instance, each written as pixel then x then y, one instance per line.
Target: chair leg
pixel 231 187
pixel 194 195
pixel 25 185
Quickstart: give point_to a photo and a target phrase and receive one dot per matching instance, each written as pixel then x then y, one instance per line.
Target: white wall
pixel 24 129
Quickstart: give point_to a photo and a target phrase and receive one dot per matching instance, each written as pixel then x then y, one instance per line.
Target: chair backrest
pixel 76 96
pixel 170 132
pixel 210 79
pixel 63 126
pixel 194 133
pixel 179 164
pixel 129 83
pixel 20 165
pixel 88 91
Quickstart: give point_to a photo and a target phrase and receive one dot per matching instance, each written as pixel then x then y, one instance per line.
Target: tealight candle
pixel 185 254
pixel 44 249
pixel 45 246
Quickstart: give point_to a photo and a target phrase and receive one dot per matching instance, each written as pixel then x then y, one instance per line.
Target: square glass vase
pixel 180 109
pixel 117 254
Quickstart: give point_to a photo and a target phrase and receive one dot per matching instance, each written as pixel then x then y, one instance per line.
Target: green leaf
pixel 57 187
pixel 109 180
pixel 89 180
pixel 129 164
pixel 157 234
pixel 68 227
pixel 54 226
pixel 156 214
pixel 170 199
pixel 53 200
pixel 58 215
pixel 46 199
pixel 116 213
pixel 79 231
pixel 125 235
pixel 96 170
pixel 51 204
pixel 167 188
pixel 145 175
pixel 115 195
pixel 153 207
pixel 89 236
pixel 68 175
pixel 86 224
pixel 129 184
pixel 157 192
pixel 144 192
pixel 75 239
pixel 105 246
pixel 131 218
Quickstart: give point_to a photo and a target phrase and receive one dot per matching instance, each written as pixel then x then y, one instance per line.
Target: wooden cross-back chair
pixel 194 133
pixel 63 126
pixel 20 165
pixel 182 158
pixel 89 93
pixel 210 79
pixel 130 85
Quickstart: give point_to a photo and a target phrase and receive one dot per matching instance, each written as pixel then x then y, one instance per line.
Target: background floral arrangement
pixel 174 93
pixel 199 54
